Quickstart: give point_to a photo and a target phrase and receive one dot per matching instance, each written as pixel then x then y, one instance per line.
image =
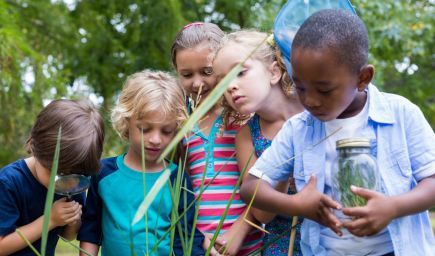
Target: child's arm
pixel 90 248
pixel 245 149
pixel 90 232
pixel 309 202
pixel 381 209
pixel 62 213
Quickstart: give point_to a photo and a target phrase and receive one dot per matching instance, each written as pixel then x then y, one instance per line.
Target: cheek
pixel 185 83
pixel 229 100
pixel 210 81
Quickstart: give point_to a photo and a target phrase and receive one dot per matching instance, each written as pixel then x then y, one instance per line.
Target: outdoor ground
pixel 64 249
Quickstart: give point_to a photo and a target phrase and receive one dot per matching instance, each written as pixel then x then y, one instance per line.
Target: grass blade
pixel 160 182
pixel 28 242
pixel 208 103
pixel 202 109
pixel 50 195
pixel 75 246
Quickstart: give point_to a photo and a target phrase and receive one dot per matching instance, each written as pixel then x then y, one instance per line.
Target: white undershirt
pixel 356 126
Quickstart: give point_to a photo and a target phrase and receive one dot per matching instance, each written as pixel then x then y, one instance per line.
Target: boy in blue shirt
pixel 23 183
pixel 151 107
pixel 332 78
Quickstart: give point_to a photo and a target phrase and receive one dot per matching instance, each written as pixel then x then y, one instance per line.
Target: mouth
pixel 238 99
pixel 152 151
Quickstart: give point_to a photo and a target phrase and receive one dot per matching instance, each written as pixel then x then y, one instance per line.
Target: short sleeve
pixel 90 230
pixel 276 163
pixel 421 144
pixel 198 237
pixel 9 212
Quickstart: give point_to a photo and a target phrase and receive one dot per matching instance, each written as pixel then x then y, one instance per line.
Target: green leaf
pixel 50 195
pixel 160 182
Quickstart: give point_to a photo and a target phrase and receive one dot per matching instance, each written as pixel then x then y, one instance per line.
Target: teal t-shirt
pixel 122 192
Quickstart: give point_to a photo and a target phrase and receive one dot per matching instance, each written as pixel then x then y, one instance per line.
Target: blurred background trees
pixel 82 48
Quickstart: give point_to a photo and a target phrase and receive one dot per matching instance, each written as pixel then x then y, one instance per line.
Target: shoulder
pixel 108 166
pixel 13 172
pixel 389 104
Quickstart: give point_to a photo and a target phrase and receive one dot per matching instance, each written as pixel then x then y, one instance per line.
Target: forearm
pixel 266 216
pixel 267 198
pixel 70 231
pixel 13 242
pixel 90 248
pixel 419 199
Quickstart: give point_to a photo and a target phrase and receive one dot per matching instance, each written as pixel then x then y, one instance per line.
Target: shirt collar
pixel 379 110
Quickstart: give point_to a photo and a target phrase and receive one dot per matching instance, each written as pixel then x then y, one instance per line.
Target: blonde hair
pixel 148 91
pixel 194 34
pixel 267 52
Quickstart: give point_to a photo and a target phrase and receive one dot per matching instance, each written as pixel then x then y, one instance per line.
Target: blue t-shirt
pixel 22 201
pixel 113 199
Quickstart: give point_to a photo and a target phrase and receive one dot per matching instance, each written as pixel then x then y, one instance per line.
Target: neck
pixel 278 107
pixel 136 164
pixel 41 174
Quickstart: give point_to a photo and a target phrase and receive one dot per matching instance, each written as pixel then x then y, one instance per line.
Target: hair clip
pixel 197 23
pixel 270 40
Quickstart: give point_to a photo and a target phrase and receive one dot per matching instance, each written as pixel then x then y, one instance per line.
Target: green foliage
pixel 98 43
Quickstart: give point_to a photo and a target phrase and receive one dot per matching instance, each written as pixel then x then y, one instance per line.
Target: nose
pixel 311 101
pixel 155 138
pixel 197 83
pixel 232 86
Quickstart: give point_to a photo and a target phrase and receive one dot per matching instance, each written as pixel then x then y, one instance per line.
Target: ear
pixel 365 77
pixel 275 72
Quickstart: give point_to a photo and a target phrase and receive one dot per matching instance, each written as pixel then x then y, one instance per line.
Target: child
pixel 262 86
pixel 23 184
pixel 210 147
pixel 330 71
pixel 151 103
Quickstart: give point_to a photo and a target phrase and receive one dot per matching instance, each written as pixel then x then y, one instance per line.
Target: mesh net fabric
pixel 293 14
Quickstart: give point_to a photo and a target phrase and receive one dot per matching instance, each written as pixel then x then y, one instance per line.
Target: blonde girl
pixel 262 87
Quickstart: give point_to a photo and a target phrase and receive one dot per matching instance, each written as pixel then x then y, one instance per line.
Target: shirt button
pixel 210 165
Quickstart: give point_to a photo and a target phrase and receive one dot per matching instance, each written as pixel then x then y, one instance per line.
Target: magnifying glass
pixel 71 184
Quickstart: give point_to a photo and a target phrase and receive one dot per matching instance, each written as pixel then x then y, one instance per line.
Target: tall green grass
pixel 176 189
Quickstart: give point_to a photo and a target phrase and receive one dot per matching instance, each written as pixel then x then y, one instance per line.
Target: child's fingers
pixel 329 202
pixel 363 192
pixel 355 211
pixel 355 224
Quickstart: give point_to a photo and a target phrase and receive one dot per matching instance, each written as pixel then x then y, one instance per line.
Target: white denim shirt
pixel 405 152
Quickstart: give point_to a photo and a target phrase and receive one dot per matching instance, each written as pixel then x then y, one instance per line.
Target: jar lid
pixel 353 142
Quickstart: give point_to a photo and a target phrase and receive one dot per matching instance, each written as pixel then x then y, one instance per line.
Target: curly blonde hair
pixel 267 52
pixel 148 91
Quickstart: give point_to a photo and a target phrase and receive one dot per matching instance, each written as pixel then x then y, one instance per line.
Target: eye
pixel 208 71
pixel 186 75
pixel 143 129
pixel 168 131
pixel 242 73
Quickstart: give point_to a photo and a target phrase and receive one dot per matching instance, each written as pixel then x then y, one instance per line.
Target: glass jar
pixel 354 165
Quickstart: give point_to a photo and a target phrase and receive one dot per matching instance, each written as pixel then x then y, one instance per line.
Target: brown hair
pixel 148 91
pixel 194 34
pixel 81 139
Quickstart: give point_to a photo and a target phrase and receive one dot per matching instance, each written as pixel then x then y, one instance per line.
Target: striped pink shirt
pixel 206 157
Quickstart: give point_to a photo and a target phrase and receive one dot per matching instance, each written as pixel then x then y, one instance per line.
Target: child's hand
pixel 371 218
pixel 207 241
pixel 63 212
pixel 318 207
pixel 229 243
